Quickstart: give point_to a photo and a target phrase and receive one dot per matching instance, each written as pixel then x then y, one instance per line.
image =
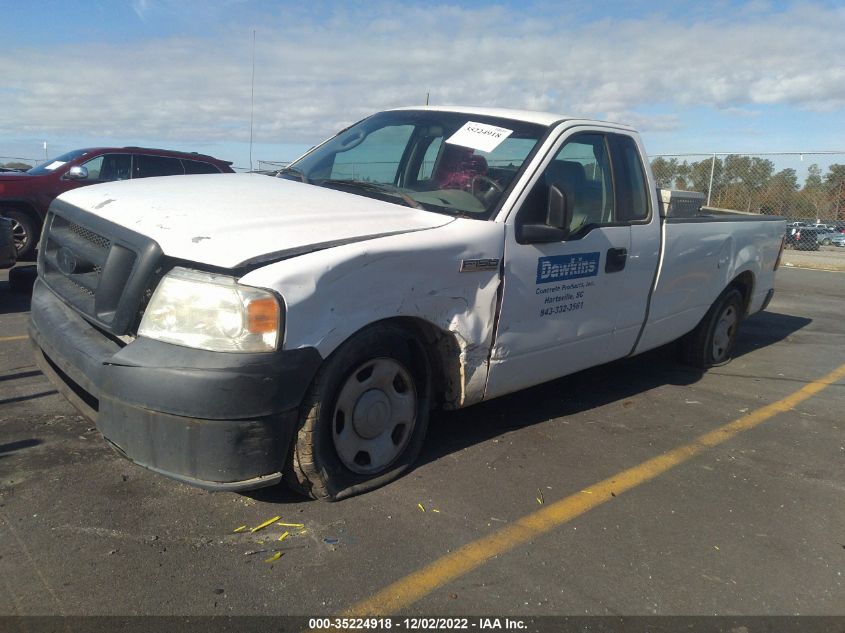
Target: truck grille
pixel 98 267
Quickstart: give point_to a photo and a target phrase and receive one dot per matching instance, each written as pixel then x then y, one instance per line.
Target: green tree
pixel 834 182
pixel 664 171
pixel 17 165
pixel 812 201
pixel 779 195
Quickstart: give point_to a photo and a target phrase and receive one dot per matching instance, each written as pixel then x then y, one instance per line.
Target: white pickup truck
pixel 233 330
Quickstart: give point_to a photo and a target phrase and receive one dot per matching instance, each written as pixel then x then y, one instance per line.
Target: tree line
pixel 750 183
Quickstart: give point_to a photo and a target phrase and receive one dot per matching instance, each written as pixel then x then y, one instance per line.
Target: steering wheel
pixel 489 192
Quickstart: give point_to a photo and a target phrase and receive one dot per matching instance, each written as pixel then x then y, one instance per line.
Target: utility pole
pixel 710 186
pixel 252 101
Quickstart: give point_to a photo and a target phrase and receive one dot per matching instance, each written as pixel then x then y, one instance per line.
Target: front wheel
pixel 712 342
pixel 364 419
pixel 24 232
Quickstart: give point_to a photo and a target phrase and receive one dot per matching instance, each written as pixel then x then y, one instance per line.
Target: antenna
pixel 252 101
pixel 426 98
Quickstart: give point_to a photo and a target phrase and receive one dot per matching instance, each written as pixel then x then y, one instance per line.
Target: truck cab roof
pixel 528 116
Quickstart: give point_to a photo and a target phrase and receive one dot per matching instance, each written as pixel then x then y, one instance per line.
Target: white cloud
pixel 140 7
pixel 313 77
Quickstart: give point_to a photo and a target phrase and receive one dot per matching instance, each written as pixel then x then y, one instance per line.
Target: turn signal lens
pixel 262 316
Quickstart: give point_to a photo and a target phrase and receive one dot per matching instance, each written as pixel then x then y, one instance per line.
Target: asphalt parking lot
pixel 507 512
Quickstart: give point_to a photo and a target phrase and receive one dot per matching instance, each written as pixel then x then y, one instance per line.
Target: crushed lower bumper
pixel 222 421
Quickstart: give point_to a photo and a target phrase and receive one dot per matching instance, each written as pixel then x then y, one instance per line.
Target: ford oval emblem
pixel 66 260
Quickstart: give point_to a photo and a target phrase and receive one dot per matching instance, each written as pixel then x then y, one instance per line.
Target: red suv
pixel 24 197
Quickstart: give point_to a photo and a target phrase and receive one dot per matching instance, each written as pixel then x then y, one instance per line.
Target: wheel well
pixel 23 207
pixel 19 206
pixel 744 282
pixel 440 352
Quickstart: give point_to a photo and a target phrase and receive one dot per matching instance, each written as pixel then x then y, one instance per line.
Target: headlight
pixel 212 312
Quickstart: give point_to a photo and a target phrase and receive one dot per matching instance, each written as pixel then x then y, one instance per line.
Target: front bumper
pixel 221 421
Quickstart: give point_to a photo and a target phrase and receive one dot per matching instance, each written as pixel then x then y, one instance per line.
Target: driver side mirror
pixel 558 221
pixel 77 172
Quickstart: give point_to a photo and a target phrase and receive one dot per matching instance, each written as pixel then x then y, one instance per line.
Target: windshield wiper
pixel 373 186
pixel 296 172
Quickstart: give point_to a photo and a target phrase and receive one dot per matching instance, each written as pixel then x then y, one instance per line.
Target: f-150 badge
pixel 477 265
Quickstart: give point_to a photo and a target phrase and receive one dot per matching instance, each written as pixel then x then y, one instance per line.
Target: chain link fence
pixel 807 186
pixel 271 165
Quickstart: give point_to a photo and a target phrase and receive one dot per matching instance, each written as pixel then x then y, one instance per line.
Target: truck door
pixel 579 301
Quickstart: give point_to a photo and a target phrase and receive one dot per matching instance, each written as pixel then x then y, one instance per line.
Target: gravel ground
pixel 826 258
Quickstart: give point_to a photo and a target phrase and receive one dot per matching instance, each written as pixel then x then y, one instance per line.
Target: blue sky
pixel 693 77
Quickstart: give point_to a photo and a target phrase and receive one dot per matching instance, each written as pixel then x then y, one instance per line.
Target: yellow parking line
pixel 3 339
pixel 419 584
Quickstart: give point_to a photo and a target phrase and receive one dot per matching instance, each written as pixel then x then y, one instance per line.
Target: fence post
pixel 710 187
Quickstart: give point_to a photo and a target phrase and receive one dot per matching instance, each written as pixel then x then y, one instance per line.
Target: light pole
pixel 252 101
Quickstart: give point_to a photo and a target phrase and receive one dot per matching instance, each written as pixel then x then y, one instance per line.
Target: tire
pixel 24 231
pixel 22 278
pixel 364 418
pixel 712 342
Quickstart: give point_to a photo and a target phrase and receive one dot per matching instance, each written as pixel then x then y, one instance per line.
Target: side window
pixel 631 182
pixel 581 170
pixel 375 158
pixel 197 167
pixel 109 167
pixel 94 167
pixel 147 166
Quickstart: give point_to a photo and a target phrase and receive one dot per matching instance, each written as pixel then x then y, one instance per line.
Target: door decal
pixel 563 267
pixel 565 297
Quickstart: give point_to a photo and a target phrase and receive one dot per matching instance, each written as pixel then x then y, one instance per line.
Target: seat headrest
pixel 566 174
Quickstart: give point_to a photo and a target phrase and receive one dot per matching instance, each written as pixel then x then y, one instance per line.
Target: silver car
pixel 826 236
pixel 838 240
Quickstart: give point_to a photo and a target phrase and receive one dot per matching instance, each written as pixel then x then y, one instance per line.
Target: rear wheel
pixel 712 342
pixel 364 418
pixel 23 231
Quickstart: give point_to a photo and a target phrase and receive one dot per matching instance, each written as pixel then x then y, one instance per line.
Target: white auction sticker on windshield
pixel 54 165
pixel 480 136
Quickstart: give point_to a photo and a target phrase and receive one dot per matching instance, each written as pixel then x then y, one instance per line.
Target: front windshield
pixel 54 163
pixel 439 161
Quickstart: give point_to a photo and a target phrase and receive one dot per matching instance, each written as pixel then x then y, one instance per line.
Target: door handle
pixel 616 258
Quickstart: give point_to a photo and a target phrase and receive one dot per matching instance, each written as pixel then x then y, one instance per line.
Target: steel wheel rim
pixel 724 333
pixel 374 415
pixel 19 235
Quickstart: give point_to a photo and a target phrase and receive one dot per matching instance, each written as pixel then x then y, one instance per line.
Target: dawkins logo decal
pixel 563 267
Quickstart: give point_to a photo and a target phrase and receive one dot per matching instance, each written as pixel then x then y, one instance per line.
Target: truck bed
pixel 701 255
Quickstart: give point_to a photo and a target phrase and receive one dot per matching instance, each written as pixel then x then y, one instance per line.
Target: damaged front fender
pixel 331 295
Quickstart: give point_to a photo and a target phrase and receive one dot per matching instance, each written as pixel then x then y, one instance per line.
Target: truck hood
pixel 232 220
